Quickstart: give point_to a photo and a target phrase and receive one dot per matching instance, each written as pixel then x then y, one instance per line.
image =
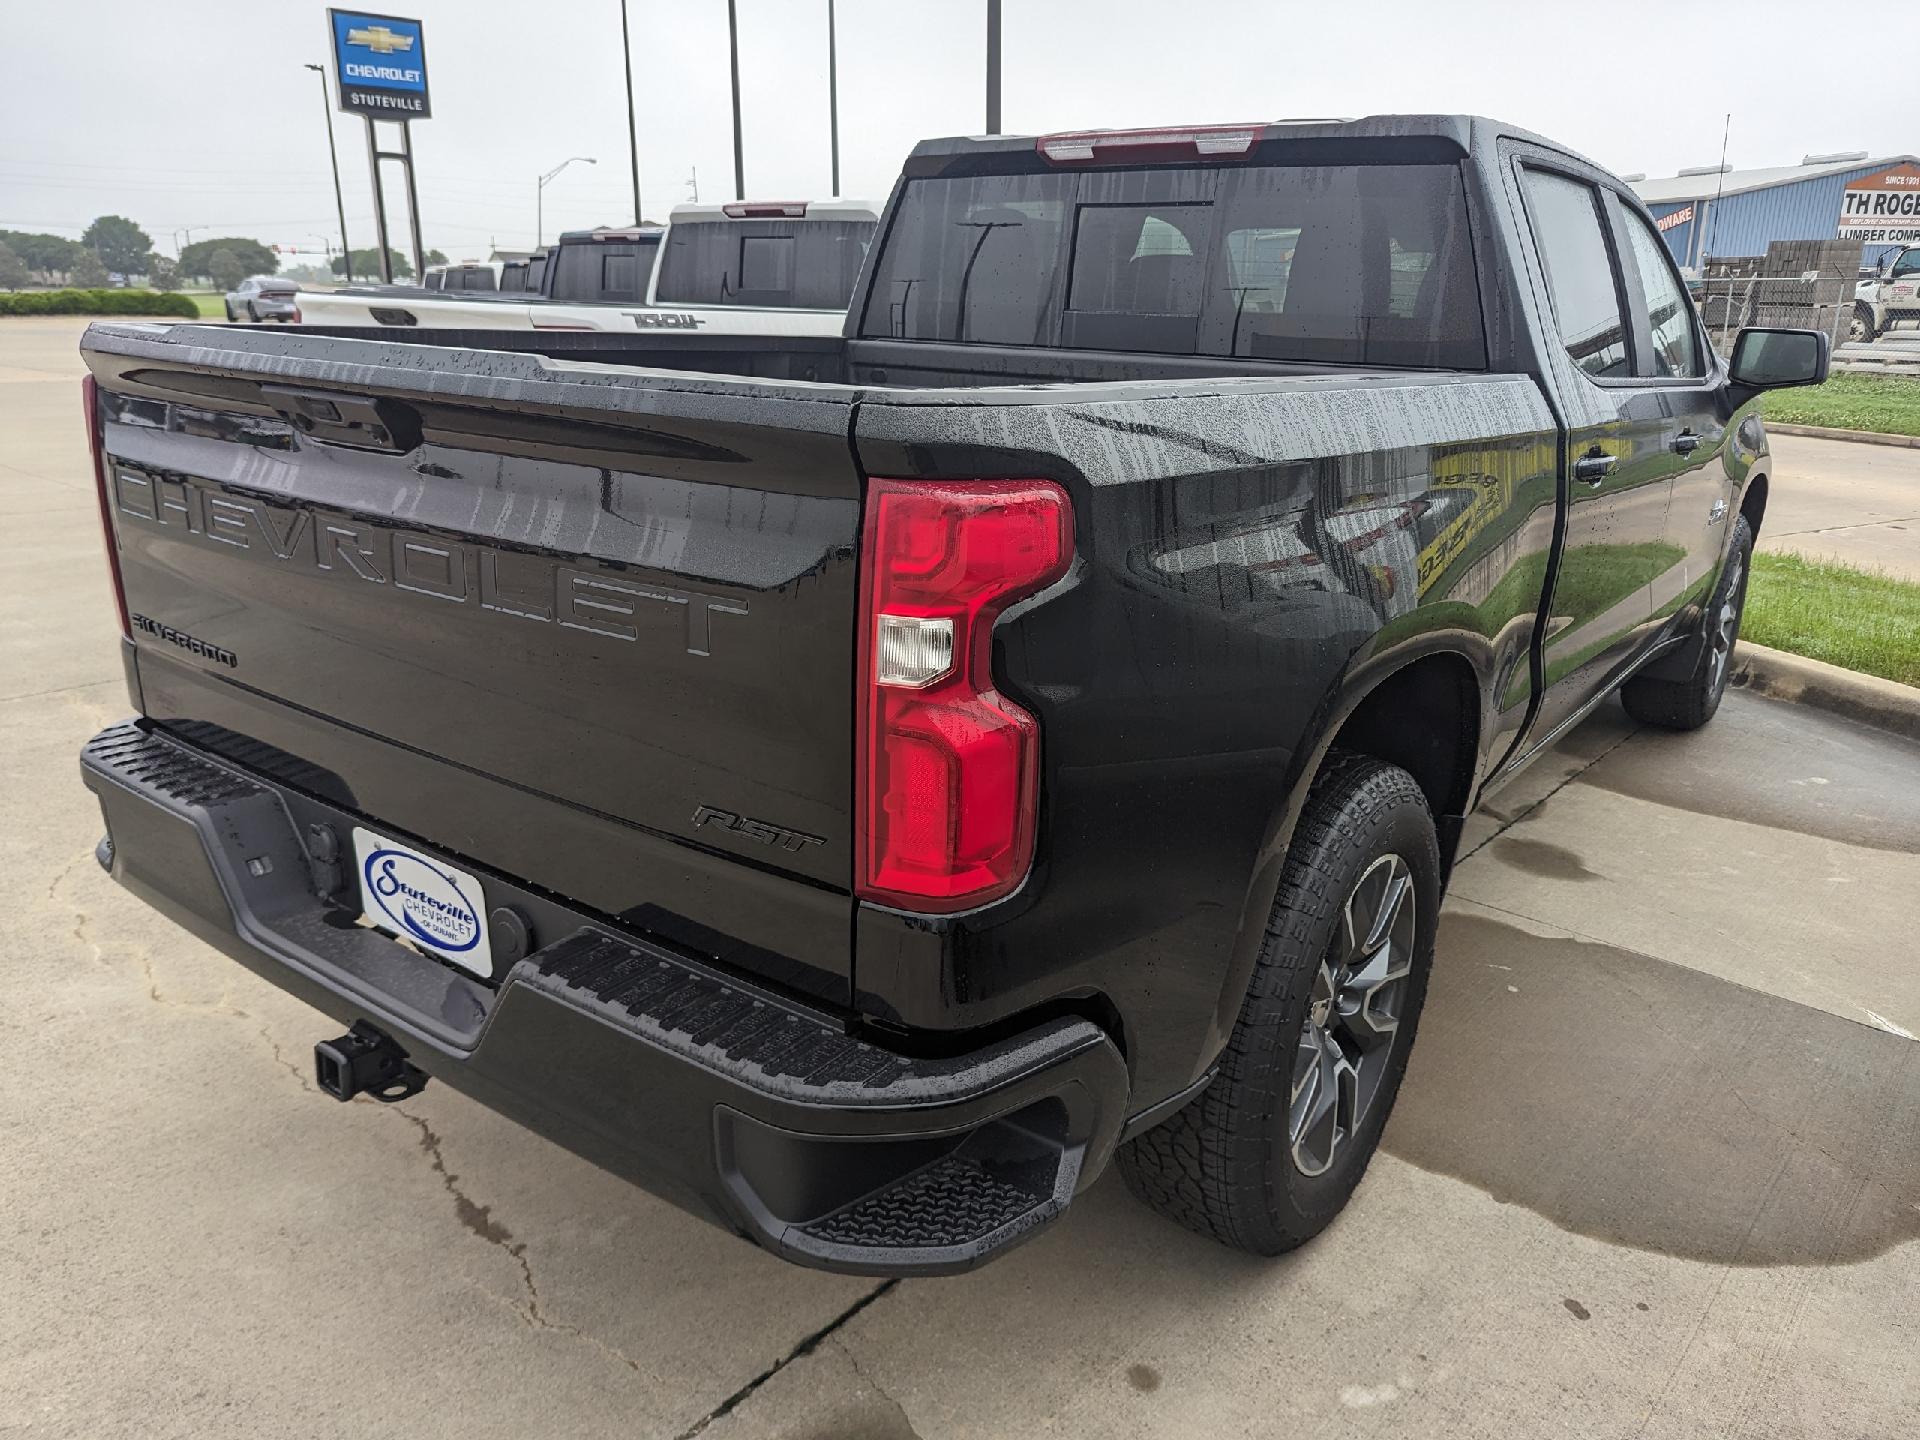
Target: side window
pixel 1907 264
pixel 1675 347
pixel 1586 302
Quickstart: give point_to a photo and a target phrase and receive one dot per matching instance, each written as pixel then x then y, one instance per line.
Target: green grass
pixel 1888 404
pixel 1594 579
pixel 212 307
pixel 1862 620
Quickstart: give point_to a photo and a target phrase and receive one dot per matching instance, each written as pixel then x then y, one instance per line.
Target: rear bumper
pixel 734 1102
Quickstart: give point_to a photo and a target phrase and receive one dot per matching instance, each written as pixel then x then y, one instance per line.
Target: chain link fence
pixel 1872 315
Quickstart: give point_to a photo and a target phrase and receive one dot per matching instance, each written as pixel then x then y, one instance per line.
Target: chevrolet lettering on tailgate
pixel 512 583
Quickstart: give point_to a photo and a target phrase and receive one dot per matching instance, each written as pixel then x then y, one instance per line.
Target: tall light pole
pixel 633 132
pixel 733 51
pixel 833 96
pixel 339 204
pixel 539 195
pixel 993 67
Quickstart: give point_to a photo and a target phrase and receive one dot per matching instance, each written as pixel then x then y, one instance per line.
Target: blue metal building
pixel 1710 213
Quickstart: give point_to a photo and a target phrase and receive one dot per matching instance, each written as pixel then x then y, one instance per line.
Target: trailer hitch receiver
pixel 366 1059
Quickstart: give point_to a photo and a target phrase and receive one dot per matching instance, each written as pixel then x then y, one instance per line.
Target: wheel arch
pixel 1366 711
pixel 1753 501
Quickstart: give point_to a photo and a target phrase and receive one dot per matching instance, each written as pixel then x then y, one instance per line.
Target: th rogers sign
pixel 1882 209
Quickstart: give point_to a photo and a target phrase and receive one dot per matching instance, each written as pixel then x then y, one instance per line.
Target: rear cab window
pixel 1344 264
pixel 777 264
pixel 589 270
pixel 1568 230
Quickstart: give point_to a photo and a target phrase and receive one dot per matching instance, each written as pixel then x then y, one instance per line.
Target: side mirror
pixel 1777 360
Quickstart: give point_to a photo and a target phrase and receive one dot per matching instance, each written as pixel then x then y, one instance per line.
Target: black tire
pixel 1231 1164
pixel 1688 704
pixel 229 313
pixel 1861 330
pixel 253 315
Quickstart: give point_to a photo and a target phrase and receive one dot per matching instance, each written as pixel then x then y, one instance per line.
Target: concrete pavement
pixel 1835 500
pixel 1653 1173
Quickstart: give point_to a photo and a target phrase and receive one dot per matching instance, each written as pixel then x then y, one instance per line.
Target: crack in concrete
pixel 281 1060
pixel 57 690
pixel 867 1378
pixel 799 1352
pixel 1509 824
pixel 222 1006
pixel 1856 525
pixel 82 921
pixel 479 1219
pixel 473 1216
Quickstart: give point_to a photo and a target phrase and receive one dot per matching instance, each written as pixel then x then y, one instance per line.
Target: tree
pixel 86 271
pixel 436 257
pixel 47 256
pixel 254 258
pixel 121 245
pixel 366 265
pixel 163 274
pixel 225 269
pixel 13 270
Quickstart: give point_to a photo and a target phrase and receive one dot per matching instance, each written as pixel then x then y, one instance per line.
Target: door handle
pixel 1594 466
pixel 1686 442
pixel 358 420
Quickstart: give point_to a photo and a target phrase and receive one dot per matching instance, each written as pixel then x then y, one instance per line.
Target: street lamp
pixel 339 204
pixel 539 195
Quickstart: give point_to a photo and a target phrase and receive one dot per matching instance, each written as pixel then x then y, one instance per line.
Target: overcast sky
pixel 198 113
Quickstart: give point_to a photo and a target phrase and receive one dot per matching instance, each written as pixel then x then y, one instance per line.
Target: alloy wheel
pixel 1726 625
pixel 1353 1015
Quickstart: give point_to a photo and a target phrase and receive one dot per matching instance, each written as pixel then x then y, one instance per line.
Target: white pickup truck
pixel 1888 298
pixel 748 268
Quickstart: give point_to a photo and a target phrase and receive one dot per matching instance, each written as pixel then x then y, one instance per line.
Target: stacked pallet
pixel 1808 285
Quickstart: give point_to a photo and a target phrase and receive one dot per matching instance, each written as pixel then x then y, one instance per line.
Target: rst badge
pixel 422 900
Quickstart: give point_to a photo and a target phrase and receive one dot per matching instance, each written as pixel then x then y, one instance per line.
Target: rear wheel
pixel 229 308
pixel 252 314
pixel 1689 703
pixel 1267 1155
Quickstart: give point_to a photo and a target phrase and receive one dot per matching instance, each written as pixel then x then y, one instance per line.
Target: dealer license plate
pixel 423 900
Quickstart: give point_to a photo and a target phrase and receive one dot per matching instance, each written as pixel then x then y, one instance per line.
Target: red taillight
pixel 949 772
pixel 1205 142
pixel 766 210
pixel 296 316
pixel 89 392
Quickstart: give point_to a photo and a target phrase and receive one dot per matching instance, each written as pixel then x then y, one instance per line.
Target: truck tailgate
pixel 589 626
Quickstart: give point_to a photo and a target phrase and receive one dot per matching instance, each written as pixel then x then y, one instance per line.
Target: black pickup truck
pixel 859 788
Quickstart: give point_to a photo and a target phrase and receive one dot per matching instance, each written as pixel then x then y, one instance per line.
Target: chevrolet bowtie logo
pixel 379 39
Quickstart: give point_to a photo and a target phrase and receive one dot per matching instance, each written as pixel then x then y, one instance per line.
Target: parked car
pixel 265 297
pixel 861 789
pixel 778 268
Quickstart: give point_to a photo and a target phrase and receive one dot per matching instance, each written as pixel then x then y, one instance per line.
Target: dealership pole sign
pixel 380 68
pixel 1883 209
pixel 380 63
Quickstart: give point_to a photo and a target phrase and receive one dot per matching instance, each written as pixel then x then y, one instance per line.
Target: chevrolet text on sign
pixel 380 63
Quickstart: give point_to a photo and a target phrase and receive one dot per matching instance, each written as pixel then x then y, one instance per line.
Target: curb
pixel 1827 432
pixel 1883 704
